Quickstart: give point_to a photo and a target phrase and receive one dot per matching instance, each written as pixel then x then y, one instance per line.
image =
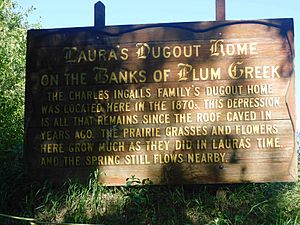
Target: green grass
pixel 272 203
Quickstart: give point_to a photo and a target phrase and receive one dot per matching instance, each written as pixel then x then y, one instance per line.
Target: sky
pixel 80 13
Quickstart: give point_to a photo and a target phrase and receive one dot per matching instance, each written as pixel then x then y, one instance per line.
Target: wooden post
pixel 99 17
pixel 220 10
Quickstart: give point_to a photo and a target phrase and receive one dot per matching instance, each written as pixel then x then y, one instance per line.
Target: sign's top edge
pixel 277 22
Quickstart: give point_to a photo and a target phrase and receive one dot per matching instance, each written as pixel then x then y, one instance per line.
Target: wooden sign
pixel 180 103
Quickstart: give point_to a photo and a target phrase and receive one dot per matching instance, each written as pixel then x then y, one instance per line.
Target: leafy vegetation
pixel 276 203
pixel 13 27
